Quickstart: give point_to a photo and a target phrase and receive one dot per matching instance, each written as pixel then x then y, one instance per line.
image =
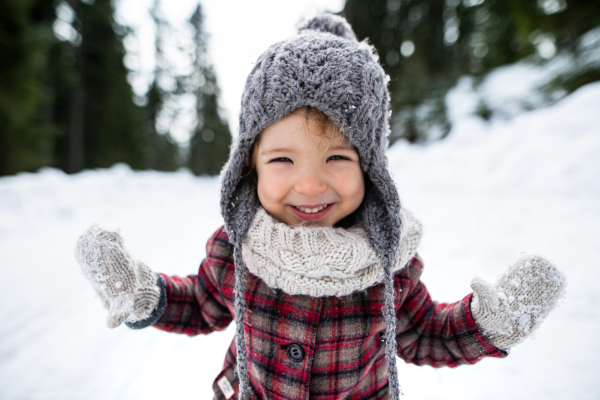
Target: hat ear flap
pixel 381 213
pixel 241 208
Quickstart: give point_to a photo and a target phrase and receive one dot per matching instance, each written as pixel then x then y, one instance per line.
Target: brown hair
pixel 326 128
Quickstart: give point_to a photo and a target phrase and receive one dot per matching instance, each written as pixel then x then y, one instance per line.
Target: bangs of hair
pixel 325 125
pixel 325 128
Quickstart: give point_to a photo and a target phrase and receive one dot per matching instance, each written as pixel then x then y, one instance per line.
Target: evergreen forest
pixel 66 100
pixel 426 45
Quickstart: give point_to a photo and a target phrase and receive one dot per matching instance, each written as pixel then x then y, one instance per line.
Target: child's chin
pixel 296 222
pixel 316 224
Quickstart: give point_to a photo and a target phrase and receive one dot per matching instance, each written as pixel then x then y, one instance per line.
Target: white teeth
pixel 311 210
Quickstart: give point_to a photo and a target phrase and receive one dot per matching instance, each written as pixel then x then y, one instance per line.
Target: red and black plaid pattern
pixel 340 337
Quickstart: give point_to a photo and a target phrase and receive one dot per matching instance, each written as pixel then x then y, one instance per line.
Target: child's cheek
pixel 272 183
pixel 348 174
pixel 350 184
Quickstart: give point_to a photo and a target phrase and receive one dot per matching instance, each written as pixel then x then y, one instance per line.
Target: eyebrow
pixel 341 147
pixel 277 150
pixel 290 150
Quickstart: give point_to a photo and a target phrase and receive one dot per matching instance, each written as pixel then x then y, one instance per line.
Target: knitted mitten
pixel 509 311
pixel 128 288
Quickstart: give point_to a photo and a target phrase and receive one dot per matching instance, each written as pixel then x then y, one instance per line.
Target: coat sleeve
pixel 438 334
pixel 195 304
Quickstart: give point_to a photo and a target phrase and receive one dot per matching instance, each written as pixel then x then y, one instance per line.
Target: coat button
pixel 295 352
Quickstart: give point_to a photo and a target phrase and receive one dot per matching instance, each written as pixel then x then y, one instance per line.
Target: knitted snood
pixel 512 309
pixel 320 261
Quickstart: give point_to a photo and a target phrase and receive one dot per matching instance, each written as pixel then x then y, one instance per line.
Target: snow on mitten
pixel 513 308
pixel 128 288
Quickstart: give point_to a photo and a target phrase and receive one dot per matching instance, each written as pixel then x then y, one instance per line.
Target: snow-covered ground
pixel 485 194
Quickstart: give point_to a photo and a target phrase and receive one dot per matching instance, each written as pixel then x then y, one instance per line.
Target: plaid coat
pixel 302 347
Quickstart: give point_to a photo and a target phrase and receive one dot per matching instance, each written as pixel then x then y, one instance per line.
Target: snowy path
pixel 486 194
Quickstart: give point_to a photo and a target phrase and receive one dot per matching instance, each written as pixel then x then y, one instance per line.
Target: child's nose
pixel 310 184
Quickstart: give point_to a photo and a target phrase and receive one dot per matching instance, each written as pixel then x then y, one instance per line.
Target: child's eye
pixel 281 159
pixel 336 158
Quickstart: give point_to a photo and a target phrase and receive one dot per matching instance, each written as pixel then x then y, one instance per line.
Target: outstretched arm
pixel 194 304
pixel 483 324
pixel 133 294
pixel 440 334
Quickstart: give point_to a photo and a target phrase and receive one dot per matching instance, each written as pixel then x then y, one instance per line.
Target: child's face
pixel 304 177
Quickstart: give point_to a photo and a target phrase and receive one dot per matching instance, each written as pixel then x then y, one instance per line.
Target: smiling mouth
pixel 309 210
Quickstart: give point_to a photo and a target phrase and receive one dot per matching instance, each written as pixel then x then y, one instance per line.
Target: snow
pixel 486 194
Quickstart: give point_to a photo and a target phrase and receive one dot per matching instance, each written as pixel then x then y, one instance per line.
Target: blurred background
pixel 122 112
pixel 89 83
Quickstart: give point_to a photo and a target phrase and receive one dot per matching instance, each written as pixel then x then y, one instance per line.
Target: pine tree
pixel 163 152
pixel 112 125
pixel 209 145
pixel 25 136
pixel 92 101
pixel 63 82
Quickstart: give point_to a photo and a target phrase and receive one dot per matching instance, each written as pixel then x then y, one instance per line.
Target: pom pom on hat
pixel 330 23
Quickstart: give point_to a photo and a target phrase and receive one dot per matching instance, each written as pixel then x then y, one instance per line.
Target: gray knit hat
pixel 327 68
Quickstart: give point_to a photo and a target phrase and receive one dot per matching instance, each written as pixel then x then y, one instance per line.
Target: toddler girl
pixel 317 259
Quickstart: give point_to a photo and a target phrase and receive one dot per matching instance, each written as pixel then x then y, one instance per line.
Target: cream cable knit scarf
pixel 318 261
